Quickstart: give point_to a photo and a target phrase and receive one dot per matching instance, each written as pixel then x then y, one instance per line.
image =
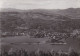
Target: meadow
pixel 32 44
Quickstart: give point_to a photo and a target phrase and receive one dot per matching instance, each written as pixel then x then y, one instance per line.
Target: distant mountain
pixel 10 10
pixel 35 14
pixel 58 20
pixel 73 13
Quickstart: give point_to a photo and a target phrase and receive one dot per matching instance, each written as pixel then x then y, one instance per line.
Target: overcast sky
pixel 40 4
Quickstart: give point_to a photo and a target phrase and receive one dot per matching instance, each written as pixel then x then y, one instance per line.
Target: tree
pixel 72 52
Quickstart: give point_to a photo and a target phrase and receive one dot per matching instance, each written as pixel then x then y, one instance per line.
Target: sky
pixel 40 4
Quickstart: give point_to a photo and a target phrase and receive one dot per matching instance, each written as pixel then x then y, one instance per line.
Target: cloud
pixel 44 4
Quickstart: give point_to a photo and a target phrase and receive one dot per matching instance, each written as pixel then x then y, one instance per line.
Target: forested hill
pixel 57 20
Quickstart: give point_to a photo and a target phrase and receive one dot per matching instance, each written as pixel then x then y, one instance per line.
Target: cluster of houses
pixel 36 33
pixel 19 31
pixel 75 33
pixel 45 34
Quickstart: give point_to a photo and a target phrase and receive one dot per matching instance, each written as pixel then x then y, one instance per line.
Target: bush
pixel 39 53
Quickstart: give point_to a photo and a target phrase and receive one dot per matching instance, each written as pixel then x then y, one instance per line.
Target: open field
pixel 32 44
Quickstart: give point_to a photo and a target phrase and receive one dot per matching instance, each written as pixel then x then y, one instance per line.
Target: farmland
pixel 32 44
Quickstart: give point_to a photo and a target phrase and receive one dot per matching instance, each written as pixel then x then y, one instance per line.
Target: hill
pixel 55 20
pixel 73 13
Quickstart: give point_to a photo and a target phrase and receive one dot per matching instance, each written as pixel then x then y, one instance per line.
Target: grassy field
pixel 31 44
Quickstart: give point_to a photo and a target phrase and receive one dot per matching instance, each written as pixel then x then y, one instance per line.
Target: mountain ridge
pixel 73 13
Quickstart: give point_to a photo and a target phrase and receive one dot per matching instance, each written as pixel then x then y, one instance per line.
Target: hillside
pixel 56 20
pixel 71 12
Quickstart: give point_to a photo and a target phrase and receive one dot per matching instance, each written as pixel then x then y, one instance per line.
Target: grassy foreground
pixel 31 44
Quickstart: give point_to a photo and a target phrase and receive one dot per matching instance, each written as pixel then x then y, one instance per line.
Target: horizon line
pixel 40 8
